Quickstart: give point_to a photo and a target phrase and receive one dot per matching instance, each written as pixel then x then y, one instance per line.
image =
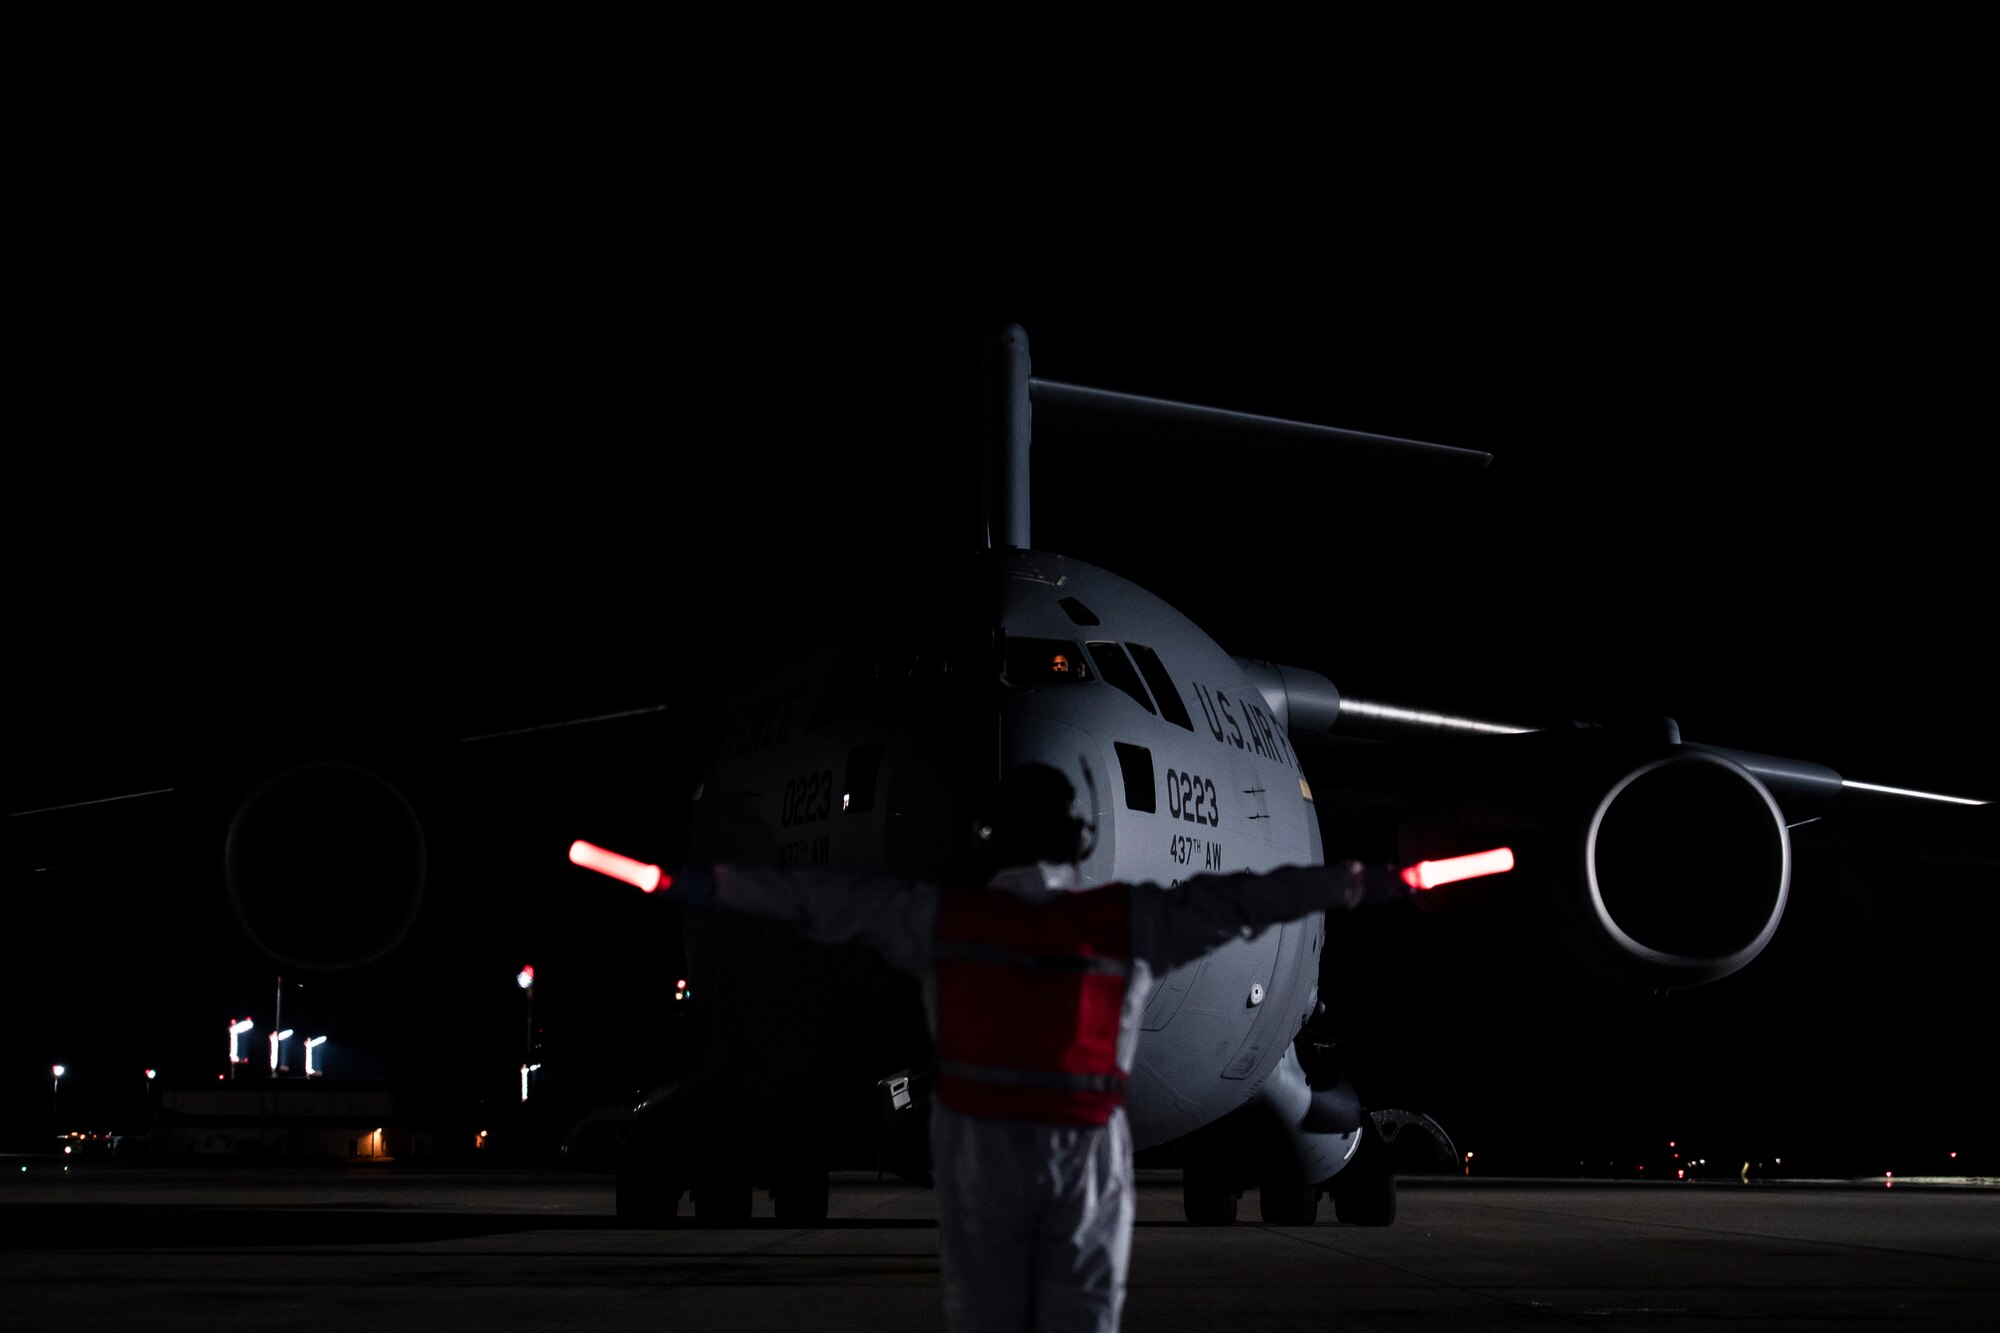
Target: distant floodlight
pixel 151 1074
pixel 58 1070
pixel 642 875
pixel 526 976
pixel 1430 874
pixel 311 1043
pixel 236 1031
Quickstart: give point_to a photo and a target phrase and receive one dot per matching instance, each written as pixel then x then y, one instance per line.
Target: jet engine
pixel 1661 865
pixel 1677 873
pixel 325 866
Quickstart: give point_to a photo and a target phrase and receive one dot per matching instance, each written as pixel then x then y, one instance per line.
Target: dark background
pixel 340 439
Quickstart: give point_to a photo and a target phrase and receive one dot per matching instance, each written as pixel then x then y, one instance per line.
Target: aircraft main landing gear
pixel 800 1196
pixel 1208 1192
pixel 1290 1202
pixel 1364 1195
pixel 644 1195
pixel 723 1201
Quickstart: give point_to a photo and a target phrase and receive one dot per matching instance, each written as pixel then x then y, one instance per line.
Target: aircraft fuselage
pixel 877 753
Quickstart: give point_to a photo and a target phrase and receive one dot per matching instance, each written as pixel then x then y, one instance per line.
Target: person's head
pixel 1031 818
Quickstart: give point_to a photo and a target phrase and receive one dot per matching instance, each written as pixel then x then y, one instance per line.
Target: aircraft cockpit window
pixel 1171 707
pixel 892 664
pixel 1116 668
pixel 1033 662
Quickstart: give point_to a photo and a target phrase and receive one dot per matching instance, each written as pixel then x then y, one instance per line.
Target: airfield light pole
pixel 55 1097
pixel 236 1031
pixel 525 979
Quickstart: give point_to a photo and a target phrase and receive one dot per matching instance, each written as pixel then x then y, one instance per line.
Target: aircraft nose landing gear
pixel 1220 1161
pixel 1364 1194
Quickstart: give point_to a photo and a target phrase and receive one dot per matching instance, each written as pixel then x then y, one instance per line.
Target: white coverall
pixel 1036 1219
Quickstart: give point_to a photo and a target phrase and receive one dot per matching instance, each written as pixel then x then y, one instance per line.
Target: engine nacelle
pixel 1679 874
pixel 325 866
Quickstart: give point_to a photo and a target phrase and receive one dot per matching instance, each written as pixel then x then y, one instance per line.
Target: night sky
pixel 426 456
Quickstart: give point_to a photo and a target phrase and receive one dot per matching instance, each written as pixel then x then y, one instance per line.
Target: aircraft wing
pixel 324 851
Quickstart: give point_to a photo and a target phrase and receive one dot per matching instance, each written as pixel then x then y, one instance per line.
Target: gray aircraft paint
pixel 1207 1046
pixel 1206 1049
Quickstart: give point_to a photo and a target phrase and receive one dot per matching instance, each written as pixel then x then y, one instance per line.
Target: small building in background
pixel 322 1119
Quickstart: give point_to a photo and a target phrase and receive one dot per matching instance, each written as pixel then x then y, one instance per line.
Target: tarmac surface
pixel 105 1246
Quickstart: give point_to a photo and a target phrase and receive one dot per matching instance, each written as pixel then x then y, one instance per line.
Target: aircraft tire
pixel 1364 1196
pixel 644 1197
pixel 1207 1201
pixel 801 1198
pixel 723 1202
pixel 1288 1203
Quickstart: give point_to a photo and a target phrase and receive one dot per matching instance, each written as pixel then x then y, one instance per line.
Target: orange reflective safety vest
pixel 1029 999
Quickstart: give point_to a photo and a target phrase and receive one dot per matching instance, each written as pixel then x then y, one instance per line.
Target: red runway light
pixel 1430 874
pixel 642 875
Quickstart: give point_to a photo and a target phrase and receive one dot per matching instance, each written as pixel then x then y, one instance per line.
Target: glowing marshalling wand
pixel 1430 874
pixel 642 875
pixel 1423 875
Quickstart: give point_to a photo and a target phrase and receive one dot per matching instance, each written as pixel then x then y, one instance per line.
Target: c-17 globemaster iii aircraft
pixel 1661 863
pixel 870 747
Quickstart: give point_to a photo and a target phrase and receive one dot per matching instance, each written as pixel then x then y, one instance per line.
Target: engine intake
pixel 325 866
pixel 1681 876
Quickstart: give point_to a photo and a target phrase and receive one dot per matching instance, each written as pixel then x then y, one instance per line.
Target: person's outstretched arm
pixel 895 917
pixel 1208 911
